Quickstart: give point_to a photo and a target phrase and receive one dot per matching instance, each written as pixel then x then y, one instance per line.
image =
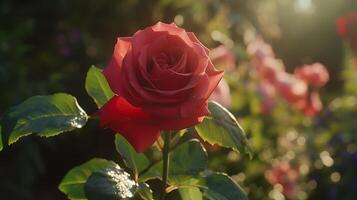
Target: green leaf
pixel 145 192
pixel 190 193
pixel 222 128
pixel 46 116
pixel 135 161
pixel 215 186
pixel 219 186
pixel 111 183
pixel 186 162
pixel 97 86
pixel 73 183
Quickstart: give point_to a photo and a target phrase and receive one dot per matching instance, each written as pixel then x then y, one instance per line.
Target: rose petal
pixel 170 79
pixel 113 70
pixel 133 123
pixel 138 95
pixel 150 34
pixel 144 37
pixel 187 109
pixel 133 90
pixel 172 30
pixel 214 77
pixel 177 124
pixel 202 60
pixel 194 105
pixel 195 39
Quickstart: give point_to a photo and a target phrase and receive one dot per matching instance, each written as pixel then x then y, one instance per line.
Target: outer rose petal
pixel 195 39
pixel 113 70
pixel 172 30
pixel 177 124
pixel 214 77
pixel 133 123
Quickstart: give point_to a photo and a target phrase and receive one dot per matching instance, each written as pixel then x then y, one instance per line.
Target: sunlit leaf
pixel 219 186
pixel 97 86
pixel 45 116
pixel 190 193
pixel 73 183
pixel 222 128
pixel 111 183
pixel 135 161
pixel 214 186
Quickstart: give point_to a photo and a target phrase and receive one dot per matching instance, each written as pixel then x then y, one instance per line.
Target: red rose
pixel 162 77
pixel 347 28
pixel 315 74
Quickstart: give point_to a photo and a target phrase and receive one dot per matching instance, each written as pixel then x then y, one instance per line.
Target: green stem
pixel 166 162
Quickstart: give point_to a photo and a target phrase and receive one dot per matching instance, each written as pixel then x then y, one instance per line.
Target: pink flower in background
pixel 293 89
pixel 224 56
pixel 315 74
pixel 259 49
pixel 270 69
pixel 267 93
pixel 284 175
pixel 347 28
pixel 354 61
pixel 222 94
pixel 314 106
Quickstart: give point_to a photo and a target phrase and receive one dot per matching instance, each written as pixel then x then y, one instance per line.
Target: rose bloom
pixel 222 94
pixel 162 77
pixel 270 69
pixel 267 92
pixel 315 74
pixel 314 105
pixel 293 89
pixel 222 56
pixel 347 28
pixel 284 175
pixel 259 49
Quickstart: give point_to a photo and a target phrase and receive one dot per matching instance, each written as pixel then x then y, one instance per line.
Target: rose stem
pixel 166 162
